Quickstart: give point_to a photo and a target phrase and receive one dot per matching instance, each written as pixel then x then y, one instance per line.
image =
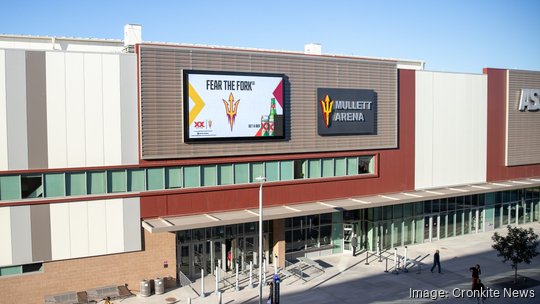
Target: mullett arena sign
pixel 346 112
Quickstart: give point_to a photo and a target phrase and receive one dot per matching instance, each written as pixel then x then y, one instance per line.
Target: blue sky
pixel 458 36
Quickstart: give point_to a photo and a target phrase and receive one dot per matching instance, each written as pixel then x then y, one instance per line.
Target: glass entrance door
pixel 197 259
pixel 183 260
pixel 431 227
pixel 347 237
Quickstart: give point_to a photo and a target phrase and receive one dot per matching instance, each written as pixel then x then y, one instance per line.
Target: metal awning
pixel 177 223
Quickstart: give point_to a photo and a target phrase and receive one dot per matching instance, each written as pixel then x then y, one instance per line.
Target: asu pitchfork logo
pixel 231 107
pixel 327 105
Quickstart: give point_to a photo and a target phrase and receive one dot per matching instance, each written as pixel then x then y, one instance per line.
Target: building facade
pixel 122 163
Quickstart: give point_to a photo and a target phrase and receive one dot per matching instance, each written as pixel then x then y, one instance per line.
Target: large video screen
pixel 230 105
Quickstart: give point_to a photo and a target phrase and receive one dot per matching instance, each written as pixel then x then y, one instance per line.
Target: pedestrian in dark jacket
pixel 354 244
pixel 436 261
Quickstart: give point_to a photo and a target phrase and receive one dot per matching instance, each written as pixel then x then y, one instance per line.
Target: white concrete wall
pixel 91 110
pixel 89 121
pixel 451 129
pixel 13 132
pixel 77 229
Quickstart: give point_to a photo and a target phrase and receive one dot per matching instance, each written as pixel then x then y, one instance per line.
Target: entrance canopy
pixel 184 222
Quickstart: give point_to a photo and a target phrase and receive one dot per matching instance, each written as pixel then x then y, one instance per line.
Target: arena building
pixel 129 160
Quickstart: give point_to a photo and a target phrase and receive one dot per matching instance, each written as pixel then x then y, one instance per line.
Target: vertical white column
pixel 202 286
pixel 237 287
pixel 251 274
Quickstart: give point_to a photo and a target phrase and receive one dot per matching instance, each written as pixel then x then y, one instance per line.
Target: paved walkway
pixel 348 279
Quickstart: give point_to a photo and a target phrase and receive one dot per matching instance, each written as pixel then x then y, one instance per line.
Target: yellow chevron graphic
pixel 199 104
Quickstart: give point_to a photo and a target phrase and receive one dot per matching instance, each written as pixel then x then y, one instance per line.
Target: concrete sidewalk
pixel 348 279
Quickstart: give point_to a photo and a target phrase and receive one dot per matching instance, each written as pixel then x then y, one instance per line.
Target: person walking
pixel 354 244
pixel 475 274
pixel 436 261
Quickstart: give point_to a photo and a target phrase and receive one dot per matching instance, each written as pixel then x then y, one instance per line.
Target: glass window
pixel 230 231
pixel 256 170
pixel 328 167
pixel 55 184
pixel 192 176
pixel 96 182
pixel 299 169
pixel 241 173
pixel 10 187
pixel 76 183
pixel 117 181
pixel 427 207
pixel 365 164
pixel 408 210
pixel 299 222
pixel 286 170
pixel 325 236
pixel 299 240
pixel 155 178
pixel 288 223
pixel 341 166
pixel 387 212
pixel 209 175
pixel 225 173
pixel 173 177
pixel 31 186
pixel 398 211
pixel 419 208
pixel 136 180
pixel 435 206
pixel 451 203
pixel 32 267
pixel 10 270
pixel 272 171
pixel 352 165
pixel 325 218
pixel 312 220
pixel 314 169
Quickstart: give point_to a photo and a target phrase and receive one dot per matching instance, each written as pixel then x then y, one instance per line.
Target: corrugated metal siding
pixel 162 89
pixel 522 140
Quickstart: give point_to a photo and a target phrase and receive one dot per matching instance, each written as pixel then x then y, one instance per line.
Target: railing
pixel 184 280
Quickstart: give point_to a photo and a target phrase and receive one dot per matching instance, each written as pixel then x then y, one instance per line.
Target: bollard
pixel 386 269
pixel 251 274
pixel 275 264
pixel 395 261
pixel 219 299
pixel 217 280
pixel 237 287
pixel 379 251
pixel 202 284
pixel 189 300
pixel 405 261
pixel 367 257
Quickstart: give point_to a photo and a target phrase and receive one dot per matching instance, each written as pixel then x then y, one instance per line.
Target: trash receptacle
pixel 145 288
pixel 159 285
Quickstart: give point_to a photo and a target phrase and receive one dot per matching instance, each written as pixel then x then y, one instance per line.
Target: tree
pixel 518 246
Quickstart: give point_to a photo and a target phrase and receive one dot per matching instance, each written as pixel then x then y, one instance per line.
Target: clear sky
pixel 451 35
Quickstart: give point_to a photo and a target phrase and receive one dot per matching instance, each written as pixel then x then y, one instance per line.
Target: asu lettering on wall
pixel 228 105
pixel 346 111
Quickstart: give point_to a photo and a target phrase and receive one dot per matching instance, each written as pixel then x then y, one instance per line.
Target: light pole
pixel 261 180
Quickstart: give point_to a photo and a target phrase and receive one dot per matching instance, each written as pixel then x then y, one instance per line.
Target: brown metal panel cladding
pixel 161 90
pixel 36 110
pixel 523 143
pixel 496 131
pixel 40 218
pixel 395 174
